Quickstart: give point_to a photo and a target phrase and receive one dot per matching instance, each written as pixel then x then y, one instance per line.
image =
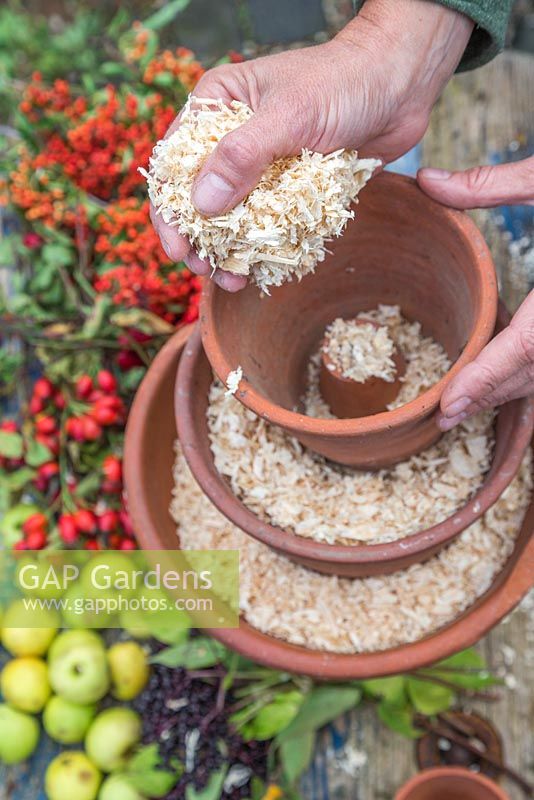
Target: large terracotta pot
pixel 148 462
pixel 513 433
pixel 450 783
pixel 402 248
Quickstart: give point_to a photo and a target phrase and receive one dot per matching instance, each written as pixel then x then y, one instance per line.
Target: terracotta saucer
pixel 148 463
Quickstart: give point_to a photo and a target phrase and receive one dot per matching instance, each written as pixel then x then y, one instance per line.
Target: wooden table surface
pixel 483 117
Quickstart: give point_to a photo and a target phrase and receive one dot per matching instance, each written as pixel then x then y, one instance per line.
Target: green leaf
pixel 213 789
pixel 88 485
pixel 321 705
pixel 391 689
pixel 57 254
pixel 399 718
pixel 198 653
pixel 165 14
pixel 476 675
pixel 37 453
pixel 273 717
pixel 296 755
pixel 429 698
pixel 7 255
pixel 18 480
pixel 11 444
pixel 144 772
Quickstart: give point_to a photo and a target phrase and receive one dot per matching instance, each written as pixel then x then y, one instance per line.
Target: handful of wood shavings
pixel 280 230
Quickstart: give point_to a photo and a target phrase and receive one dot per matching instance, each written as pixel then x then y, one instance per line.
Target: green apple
pixel 129 669
pixel 136 623
pixel 69 639
pixel 67 722
pixel 40 576
pixel 21 640
pixel 80 673
pixel 12 522
pixel 111 737
pixel 110 571
pixel 118 787
pixel 25 685
pixel 79 597
pixel 72 776
pixel 19 735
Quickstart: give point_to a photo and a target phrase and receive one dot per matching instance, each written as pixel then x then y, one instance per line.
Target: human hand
pixel 504 369
pixel 371 88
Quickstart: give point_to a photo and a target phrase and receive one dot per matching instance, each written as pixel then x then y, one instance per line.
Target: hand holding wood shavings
pixel 281 229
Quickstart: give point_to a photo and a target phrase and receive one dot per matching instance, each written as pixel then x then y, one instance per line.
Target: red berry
pixel 51 442
pixel 20 545
pixel 43 388
pixel 85 520
pixel 67 528
pixel 36 522
pixel 114 541
pixel 128 544
pixel 106 381
pixel 92 544
pixel 36 405
pixel 108 521
pixel 48 470
pixel 84 387
pixel 103 415
pixel 91 429
pixel 59 401
pixel 45 425
pixel 36 540
pixel 96 394
pixel 110 487
pixel 32 240
pixel 127 359
pixel 112 469
pixel 74 428
pixel 9 426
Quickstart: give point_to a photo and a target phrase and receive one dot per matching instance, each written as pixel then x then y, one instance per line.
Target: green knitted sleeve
pixel 491 20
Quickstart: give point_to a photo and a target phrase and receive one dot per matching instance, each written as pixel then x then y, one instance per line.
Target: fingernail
pixel 457 407
pixel 166 247
pixel 435 174
pixel 212 193
pixel 446 423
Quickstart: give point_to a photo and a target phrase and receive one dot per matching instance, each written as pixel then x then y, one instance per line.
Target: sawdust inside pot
pixel 359 350
pixel 342 615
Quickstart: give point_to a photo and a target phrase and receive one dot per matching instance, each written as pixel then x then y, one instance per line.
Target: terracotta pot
pixel 450 783
pixel 148 463
pixel 513 433
pixel 402 248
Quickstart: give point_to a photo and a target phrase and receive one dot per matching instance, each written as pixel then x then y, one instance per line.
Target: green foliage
pixel 213 789
pixel 145 773
pixel 198 653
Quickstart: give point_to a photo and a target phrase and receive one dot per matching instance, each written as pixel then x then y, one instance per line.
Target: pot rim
pixel 516 578
pixel 517 423
pixel 410 412
pixel 426 775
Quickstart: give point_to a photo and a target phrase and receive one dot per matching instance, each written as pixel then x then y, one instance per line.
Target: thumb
pixel 481 187
pixel 238 162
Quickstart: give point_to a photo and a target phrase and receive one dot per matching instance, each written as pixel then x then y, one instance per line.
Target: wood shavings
pixel 279 232
pixel 359 350
pixel 233 380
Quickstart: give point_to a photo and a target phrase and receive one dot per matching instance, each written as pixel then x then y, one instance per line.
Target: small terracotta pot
pixel 403 248
pixel 450 783
pixel 513 433
pixel 148 461
pixel 348 398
